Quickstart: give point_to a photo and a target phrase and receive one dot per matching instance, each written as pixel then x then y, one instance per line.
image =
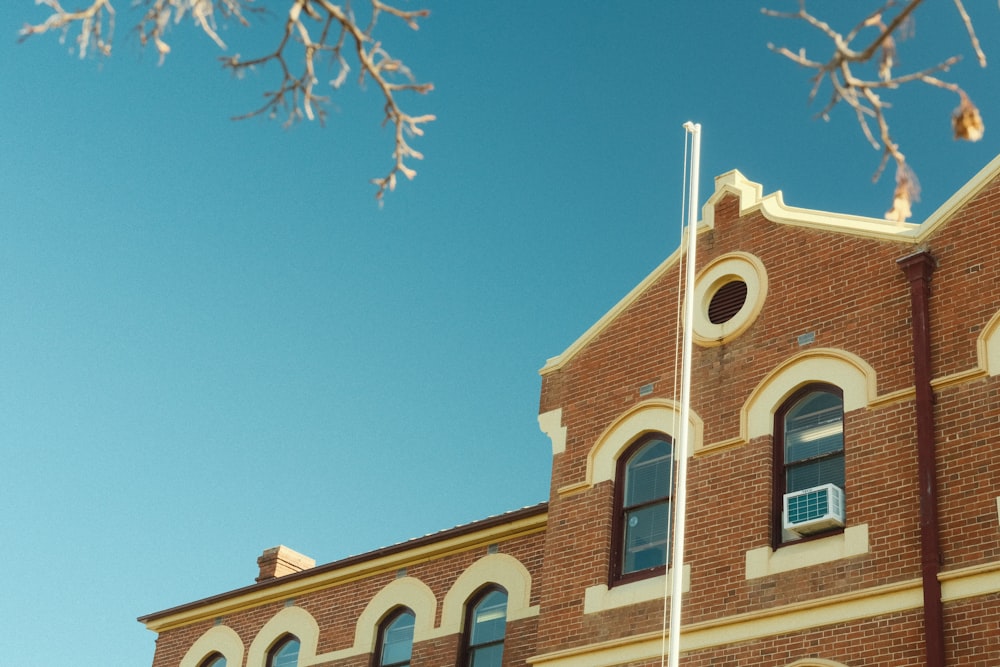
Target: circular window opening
pixel 727 301
pixel 729 293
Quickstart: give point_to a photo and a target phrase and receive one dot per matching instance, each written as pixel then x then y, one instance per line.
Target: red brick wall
pixel 851 294
pixel 973 630
pixel 847 291
pixel 336 610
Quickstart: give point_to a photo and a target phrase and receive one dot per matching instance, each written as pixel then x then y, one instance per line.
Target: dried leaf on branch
pixel 875 42
pixel 966 121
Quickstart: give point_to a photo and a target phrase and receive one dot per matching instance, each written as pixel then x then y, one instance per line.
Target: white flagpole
pixel 680 493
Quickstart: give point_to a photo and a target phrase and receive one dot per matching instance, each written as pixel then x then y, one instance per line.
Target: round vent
pixel 727 301
pixel 729 294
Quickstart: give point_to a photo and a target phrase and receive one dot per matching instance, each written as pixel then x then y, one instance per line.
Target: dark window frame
pixel 211 659
pixel 387 621
pixel 617 575
pixel 468 650
pixel 280 645
pixel 779 475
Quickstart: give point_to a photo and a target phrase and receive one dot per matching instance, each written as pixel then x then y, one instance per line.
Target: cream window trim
pixel 655 415
pixel 725 269
pixel 290 620
pixel 407 592
pixel 218 639
pixel 766 561
pixel 601 598
pixel 501 569
pixel 855 377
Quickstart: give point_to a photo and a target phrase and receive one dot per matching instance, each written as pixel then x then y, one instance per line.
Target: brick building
pixel 843 489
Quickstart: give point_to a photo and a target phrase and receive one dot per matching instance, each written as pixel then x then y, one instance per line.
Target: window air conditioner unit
pixel 813 510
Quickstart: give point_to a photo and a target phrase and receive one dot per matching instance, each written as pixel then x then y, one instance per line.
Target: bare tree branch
pixel 156 20
pixel 97 25
pixel 972 33
pixel 316 33
pixel 325 34
pixel 861 93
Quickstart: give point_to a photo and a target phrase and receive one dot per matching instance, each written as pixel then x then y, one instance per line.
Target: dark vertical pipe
pixel 918 268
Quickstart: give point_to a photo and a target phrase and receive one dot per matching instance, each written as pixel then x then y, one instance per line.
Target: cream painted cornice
pixel 781 620
pixel 970 582
pixel 871 602
pixel 773 207
pixel 292 586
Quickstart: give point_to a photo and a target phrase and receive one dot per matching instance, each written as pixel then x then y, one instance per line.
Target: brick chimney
pixel 279 561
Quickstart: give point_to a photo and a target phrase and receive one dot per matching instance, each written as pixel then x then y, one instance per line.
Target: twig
pixel 860 94
pixel 308 30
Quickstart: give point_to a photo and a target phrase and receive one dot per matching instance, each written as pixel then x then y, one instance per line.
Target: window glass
pixel 487 656
pixel 814 442
pixel 487 628
pixel 397 640
pixel 646 535
pixel 809 453
pixel 285 654
pixel 808 475
pixel 647 475
pixel 214 660
pixel 646 501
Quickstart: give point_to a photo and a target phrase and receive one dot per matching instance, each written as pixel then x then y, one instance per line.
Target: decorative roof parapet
pixel 773 207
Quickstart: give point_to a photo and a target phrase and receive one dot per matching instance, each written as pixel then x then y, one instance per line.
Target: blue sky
pixel 213 341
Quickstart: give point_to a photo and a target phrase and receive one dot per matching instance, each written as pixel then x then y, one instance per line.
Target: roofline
pixel 960 198
pixel 516 523
pixel 773 207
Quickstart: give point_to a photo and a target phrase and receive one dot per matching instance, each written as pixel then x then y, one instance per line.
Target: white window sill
pixel 766 561
pixel 601 598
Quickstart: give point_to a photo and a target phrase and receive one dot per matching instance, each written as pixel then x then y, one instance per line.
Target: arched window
pixel 284 653
pixel 809 463
pixel 485 628
pixel 643 495
pixel 395 639
pixel 214 660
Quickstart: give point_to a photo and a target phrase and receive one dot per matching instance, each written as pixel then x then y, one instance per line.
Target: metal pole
pixel 680 495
